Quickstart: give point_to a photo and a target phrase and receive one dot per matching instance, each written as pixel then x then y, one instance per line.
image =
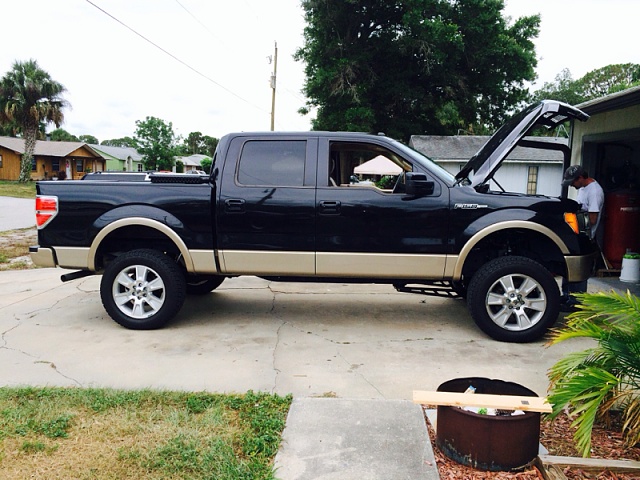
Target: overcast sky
pixel 209 69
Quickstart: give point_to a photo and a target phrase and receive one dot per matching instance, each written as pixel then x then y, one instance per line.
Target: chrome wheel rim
pixel 516 302
pixel 138 291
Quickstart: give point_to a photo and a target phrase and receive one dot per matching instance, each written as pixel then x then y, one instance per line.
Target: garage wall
pixel 615 125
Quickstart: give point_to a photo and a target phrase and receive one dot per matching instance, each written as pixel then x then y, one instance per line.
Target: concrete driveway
pixel 352 341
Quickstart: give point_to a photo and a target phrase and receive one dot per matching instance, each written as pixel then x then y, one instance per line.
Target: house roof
pixel 120 153
pixel 614 101
pixel 460 148
pixel 44 148
pixel 193 160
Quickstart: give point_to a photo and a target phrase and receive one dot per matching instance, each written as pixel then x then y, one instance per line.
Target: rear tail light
pixel 46 209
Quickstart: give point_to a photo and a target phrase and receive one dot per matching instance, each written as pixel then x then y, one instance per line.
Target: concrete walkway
pixel 341 439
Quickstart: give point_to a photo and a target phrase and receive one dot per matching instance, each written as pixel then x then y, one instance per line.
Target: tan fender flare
pixel 509 224
pixel 145 222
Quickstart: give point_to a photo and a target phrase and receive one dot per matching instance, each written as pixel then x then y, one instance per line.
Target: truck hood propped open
pixel 486 162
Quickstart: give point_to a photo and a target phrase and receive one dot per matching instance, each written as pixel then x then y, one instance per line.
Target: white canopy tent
pixel 379 165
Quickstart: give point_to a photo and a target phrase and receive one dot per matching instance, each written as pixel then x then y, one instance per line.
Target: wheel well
pixel 521 242
pixel 133 237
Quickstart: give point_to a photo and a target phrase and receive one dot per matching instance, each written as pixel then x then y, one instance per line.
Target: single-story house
pixel 74 159
pixel 526 170
pixel 192 162
pixel 120 159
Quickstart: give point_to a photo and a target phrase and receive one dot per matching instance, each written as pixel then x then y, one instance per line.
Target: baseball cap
pixel 571 174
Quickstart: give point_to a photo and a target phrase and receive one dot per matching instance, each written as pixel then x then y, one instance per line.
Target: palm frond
pixel 607 309
pixel 572 362
pixel 583 394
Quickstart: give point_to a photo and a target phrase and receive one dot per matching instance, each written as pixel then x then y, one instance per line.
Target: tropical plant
pixel 29 97
pixel 592 383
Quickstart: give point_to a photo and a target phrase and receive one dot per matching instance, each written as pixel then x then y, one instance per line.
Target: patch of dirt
pixel 557 438
pixel 14 248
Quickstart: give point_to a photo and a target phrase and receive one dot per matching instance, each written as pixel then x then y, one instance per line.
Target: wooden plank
pixel 592 464
pixel 503 402
pixel 549 472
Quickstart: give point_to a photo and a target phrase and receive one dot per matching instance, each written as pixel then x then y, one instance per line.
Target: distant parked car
pixel 197 172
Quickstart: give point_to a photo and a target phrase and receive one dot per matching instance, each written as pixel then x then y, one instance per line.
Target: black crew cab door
pixel 377 230
pixel 266 205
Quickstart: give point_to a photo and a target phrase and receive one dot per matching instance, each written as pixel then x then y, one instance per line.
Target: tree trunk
pixel 30 132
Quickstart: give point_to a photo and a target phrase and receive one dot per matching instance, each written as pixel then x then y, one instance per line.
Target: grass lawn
pixel 17 189
pixel 62 433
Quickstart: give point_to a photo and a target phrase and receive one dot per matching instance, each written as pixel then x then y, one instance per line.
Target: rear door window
pixel 277 163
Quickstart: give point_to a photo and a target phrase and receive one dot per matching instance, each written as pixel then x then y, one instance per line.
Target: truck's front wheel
pixel 142 289
pixel 513 299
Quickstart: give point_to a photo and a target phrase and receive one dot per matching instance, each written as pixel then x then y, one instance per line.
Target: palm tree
pixel 29 98
pixel 605 377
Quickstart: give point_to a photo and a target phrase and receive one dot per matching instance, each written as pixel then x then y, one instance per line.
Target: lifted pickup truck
pixel 283 206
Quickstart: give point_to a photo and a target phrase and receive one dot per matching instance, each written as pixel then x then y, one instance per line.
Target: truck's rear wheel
pixel 142 289
pixel 513 299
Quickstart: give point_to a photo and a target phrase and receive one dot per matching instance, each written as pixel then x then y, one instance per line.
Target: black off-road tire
pixel 203 284
pixel 143 289
pixel 514 299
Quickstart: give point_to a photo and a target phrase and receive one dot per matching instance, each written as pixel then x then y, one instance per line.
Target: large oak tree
pixel 414 66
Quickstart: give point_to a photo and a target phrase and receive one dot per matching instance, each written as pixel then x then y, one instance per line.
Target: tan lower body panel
pixel 204 261
pixel 250 262
pixel 380 265
pixel 325 264
pixel 72 257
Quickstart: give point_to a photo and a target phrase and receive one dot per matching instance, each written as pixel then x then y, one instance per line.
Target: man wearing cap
pixel 591 199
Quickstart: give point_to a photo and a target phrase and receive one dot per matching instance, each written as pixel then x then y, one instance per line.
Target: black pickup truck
pixel 286 206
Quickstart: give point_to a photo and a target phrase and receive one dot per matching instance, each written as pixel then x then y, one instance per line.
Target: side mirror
pixel 418 185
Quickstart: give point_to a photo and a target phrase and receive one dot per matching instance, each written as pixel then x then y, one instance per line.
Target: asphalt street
pixel 16 213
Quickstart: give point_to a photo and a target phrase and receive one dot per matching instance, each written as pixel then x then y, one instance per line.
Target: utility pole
pixel 273 86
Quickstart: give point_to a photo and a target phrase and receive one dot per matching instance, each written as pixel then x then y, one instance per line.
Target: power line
pixel 176 58
pixel 198 20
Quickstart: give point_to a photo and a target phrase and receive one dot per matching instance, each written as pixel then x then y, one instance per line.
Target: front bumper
pixel 580 267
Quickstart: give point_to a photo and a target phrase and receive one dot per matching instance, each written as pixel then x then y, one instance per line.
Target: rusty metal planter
pixel 488 442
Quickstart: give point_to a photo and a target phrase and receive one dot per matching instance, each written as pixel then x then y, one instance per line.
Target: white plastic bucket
pixel 630 270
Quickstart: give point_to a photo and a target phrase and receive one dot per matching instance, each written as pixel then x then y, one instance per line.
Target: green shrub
pixel 591 383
